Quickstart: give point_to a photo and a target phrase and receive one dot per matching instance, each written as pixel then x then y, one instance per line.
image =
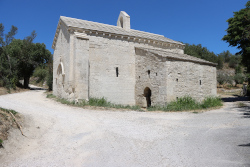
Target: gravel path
pixel 59 135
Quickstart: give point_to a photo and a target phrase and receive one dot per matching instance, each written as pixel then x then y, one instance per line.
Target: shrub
pixel 41 73
pixel 188 103
pixel 101 102
pixel 49 81
pixel 51 96
pixel 211 102
pixel 183 103
pixel 239 78
pixel 221 79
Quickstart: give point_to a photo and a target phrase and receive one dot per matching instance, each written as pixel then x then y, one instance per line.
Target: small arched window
pixel 121 22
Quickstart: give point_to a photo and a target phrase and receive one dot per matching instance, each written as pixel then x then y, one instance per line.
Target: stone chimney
pixel 124 20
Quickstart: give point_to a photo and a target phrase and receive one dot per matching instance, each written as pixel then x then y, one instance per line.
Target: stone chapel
pixel 124 65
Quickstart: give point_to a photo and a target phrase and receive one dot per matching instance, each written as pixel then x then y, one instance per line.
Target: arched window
pixel 121 22
pixel 60 73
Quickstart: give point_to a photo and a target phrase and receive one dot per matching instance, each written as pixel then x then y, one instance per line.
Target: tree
pixel 202 53
pixel 28 55
pixel 8 77
pixel 238 34
pixel 239 78
pixel 220 62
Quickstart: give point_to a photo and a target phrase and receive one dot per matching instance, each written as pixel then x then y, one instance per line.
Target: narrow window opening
pixel 117 72
pixel 200 82
pixel 149 73
pixel 176 79
pixel 176 98
pixel 147 94
pixel 156 74
pixel 139 77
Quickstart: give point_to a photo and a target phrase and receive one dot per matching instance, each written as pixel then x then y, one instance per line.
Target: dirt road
pixel 59 135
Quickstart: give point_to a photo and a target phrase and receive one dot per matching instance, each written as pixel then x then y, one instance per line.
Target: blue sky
pixel 190 21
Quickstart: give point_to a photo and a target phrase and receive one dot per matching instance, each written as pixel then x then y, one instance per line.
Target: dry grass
pixel 7 122
pixel 4 91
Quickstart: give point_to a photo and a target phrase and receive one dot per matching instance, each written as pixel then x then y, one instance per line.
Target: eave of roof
pixel 176 56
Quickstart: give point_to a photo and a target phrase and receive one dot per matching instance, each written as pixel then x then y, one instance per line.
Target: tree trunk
pixel 26 82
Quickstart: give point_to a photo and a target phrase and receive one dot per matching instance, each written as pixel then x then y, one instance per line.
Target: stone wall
pixel 150 73
pixel 61 56
pixel 187 78
pixel 96 65
pixel 112 69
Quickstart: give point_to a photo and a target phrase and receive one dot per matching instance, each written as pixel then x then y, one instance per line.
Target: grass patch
pixel 7 110
pixel 50 96
pixel 187 103
pixel 96 102
pixel 182 104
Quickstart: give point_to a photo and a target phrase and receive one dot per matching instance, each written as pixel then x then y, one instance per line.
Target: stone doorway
pixel 147 94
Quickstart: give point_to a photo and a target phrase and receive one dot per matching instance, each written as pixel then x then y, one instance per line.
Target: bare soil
pixel 4 91
pixel 6 123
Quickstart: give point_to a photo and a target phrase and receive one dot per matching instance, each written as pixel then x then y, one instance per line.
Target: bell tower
pixel 124 20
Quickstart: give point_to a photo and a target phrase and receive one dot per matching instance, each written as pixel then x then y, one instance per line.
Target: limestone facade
pixel 125 66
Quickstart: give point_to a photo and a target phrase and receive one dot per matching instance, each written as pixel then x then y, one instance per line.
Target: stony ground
pixel 59 135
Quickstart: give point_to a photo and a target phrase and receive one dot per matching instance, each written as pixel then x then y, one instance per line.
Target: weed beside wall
pixel 188 103
pixel 182 104
pixel 98 102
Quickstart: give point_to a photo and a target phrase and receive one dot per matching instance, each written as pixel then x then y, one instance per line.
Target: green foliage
pixel 41 73
pixel 188 103
pixel 220 63
pixel 8 111
pixel 183 103
pixel 221 79
pixel 1 142
pixel 8 72
pixel 210 101
pixel 234 61
pixel 28 56
pixel 239 78
pixel 238 34
pixel 238 69
pixel 19 58
pixel 200 52
pixel 49 77
pixel 99 102
pixel 50 96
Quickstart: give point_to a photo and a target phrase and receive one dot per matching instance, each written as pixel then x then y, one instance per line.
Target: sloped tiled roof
pixel 89 25
pixel 177 56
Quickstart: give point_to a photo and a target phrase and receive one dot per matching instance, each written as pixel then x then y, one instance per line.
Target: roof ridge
pixel 131 32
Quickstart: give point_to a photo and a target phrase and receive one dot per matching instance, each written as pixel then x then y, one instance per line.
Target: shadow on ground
pixel 245 111
pixel 235 98
pixel 34 88
pixel 245 145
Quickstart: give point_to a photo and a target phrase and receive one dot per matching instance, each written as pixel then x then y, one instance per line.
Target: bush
pixel 41 73
pixel 188 103
pixel 183 103
pixel 101 102
pixel 211 102
pixel 49 80
pixel 221 78
pixel 239 78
